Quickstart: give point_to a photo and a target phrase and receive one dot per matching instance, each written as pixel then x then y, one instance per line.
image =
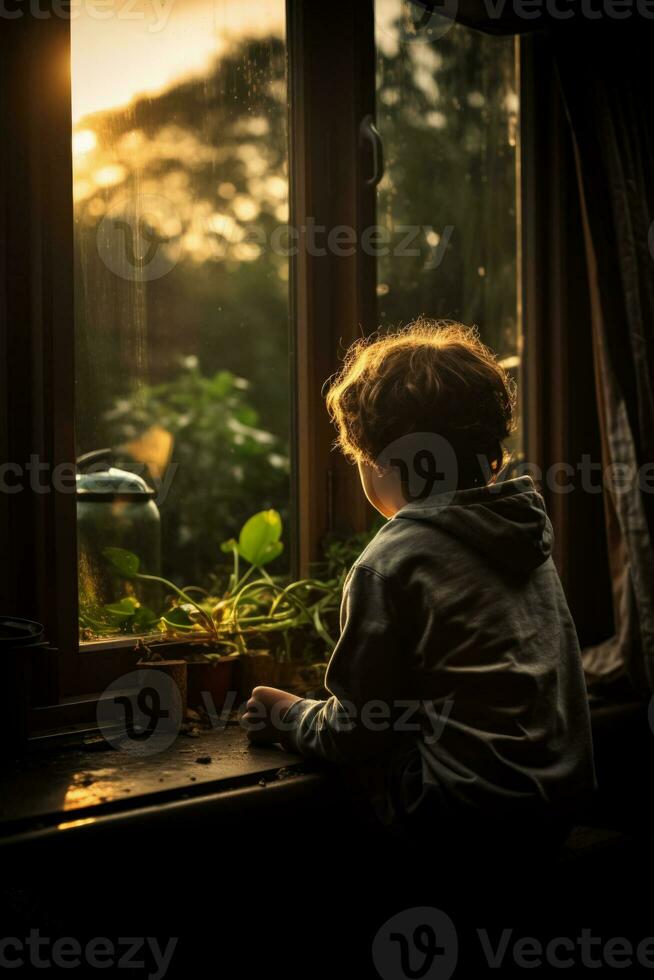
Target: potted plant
pixel 251 634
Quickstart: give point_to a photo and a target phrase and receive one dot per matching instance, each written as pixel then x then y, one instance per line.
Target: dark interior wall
pixel 4 448
pixel 36 317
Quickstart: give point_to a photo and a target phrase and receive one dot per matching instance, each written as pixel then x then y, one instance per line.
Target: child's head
pixel 430 377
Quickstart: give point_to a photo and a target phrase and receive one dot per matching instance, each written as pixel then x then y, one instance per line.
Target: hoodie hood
pixel 506 522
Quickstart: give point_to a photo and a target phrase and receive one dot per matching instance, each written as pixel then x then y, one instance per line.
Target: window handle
pixel 369 133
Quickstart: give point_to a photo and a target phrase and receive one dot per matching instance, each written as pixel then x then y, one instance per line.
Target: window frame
pixel 331 51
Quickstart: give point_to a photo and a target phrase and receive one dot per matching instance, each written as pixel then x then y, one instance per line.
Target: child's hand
pixel 264 713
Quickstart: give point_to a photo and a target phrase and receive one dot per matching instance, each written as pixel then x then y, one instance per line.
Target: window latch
pixel 368 133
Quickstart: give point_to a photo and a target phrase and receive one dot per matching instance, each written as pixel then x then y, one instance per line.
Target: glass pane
pixel 182 309
pixel 448 114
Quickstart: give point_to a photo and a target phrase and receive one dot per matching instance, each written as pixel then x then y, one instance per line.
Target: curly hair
pixel 429 376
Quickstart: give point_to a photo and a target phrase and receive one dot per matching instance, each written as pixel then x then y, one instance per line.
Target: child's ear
pixel 381 488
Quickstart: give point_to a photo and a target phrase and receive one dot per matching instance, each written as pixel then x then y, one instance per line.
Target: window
pixel 182 311
pixel 202 338
pixel 448 115
pixel 182 299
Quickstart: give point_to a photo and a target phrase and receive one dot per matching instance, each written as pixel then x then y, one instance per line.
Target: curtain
pixel 605 73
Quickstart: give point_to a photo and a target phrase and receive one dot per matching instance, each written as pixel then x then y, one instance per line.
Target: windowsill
pixel 120 641
pixel 134 641
pixel 54 792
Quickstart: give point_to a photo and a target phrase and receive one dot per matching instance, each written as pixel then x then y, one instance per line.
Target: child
pixel 457 676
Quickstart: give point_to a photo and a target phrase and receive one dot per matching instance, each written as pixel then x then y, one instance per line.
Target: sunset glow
pixel 160 42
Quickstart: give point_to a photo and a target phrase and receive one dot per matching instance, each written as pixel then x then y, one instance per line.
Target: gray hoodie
pixel 458 664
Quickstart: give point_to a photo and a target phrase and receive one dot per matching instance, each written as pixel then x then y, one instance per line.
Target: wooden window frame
pixel 332 81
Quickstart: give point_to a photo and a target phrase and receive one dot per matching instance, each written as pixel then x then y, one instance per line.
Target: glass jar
pixel 115 509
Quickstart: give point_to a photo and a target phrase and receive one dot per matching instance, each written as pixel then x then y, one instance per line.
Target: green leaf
pixel 178 617
pixel 129 614
pixel 272 551
pixel 144 618
pixel 125 607
pixel 124 563
pixel 227 547
pixel 259 541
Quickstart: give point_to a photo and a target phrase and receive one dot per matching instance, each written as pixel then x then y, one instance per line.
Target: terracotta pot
pixel 285 675
pixel 254 669
pixel 176 670
pixel 209 683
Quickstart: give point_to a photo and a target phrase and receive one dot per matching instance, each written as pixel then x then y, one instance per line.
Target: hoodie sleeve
pixel 356 721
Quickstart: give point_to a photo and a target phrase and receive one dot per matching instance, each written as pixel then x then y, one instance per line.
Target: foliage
pixel 256 610
pixel 213 151
pixel 126 616
pixel 448 116
pixel 174 352
pixel 340 553
pixel 223 466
